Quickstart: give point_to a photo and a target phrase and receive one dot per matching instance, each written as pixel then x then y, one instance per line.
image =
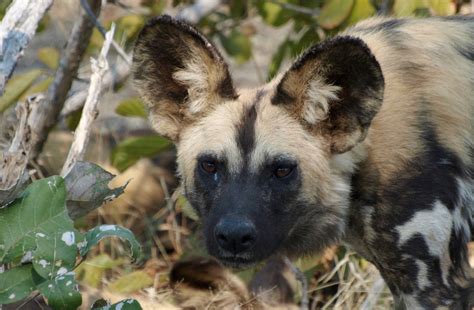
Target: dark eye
pixel 281 172
pixel 209 167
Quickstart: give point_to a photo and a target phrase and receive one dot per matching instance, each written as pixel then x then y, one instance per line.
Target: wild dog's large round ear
pixel 335 88
pixel 178 73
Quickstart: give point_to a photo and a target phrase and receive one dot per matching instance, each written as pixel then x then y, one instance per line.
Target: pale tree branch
pixel 16 30
pixel 119 74
pixel 99 67
pixel 65 74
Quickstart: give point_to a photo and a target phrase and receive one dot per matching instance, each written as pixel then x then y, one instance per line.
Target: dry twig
pixel 16 30
pixel 111 78
pixel 90 112
pixel 68 65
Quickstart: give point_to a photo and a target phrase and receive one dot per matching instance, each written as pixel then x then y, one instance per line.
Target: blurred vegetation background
pixel 258 38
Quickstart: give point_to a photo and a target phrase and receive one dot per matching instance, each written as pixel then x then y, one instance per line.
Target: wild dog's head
pixel 258 165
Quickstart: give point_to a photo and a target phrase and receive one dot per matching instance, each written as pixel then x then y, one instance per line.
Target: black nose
pixel 235 234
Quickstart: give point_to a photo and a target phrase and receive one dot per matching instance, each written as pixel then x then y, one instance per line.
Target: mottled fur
pixel 377 125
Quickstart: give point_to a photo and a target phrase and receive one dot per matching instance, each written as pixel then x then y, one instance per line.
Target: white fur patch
pixel 435 226
pixel 319 95
pixel 422 277
pixel 196 78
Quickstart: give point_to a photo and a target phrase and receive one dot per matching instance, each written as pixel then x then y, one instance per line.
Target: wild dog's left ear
pixel 335 89
pixel 179 74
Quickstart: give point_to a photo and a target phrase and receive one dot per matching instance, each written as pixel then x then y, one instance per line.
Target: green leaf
pixel 41 210
pixel 407 7
pixel 95 235
pixel 126 304
pixel 334 12
pixel 131 25
pixel 272 13
pixel 442 7
pixel 17 85
pixel 131 107
pixel 362 9
pixel 49 56
pixel 87 188
pixel 55 254
pixel 277 59
pixel 307 39
pixel 16 284
pixel 39 87
pixel 131 150
pixel 237 46
pixel 91 271
pixel 61 292
pixel 73 119
pixel 131 282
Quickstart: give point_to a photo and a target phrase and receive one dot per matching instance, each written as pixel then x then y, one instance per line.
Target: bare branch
pixel 68 65
pixel 297 8
pixel 90 112
pixel 13 173
pixel 16 30
pixel 102 30
pixel 111 78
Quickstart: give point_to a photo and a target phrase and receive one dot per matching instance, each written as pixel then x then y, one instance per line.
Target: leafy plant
pixel 41 248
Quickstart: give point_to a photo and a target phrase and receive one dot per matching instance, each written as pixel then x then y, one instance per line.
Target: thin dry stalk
pixel 81 136
pixel 67 71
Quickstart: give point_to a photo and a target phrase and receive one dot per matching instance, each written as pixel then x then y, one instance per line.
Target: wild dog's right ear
pixel 178 73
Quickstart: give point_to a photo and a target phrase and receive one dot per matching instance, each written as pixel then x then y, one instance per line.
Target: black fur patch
pixel 246 127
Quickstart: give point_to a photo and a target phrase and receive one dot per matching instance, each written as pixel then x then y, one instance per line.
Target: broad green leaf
pixel 41 210
pixel 131 107
pixel 49 56
pixel 131 150
pixel 334 12
pixel 16 284
pixel 61 292
pixel 72 120
pixel 39 87
pixel 407 7
pixel 306 40
pixel 272 13
pixel 237 45
pixel 362 9
pixel 131 25
pixel 17 85
pixel 126 304
pixel 55 254
pixel 442 7
pixel 92 270
pixel 131 282
pixel 87 188
pixel 95 235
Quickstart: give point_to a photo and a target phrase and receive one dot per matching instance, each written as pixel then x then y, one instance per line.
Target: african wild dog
pixel 367 139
